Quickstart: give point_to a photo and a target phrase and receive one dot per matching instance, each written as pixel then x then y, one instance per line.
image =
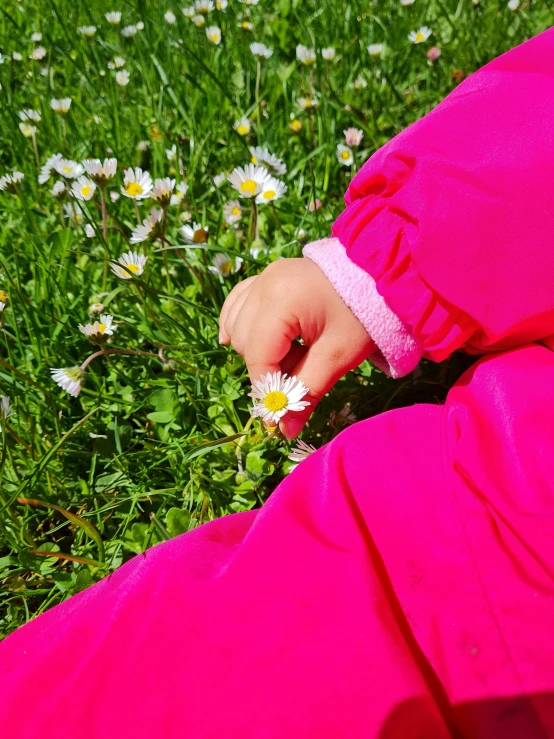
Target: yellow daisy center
pixel 296 125
pixel 133 268
pixel 248 186
pixel 345 154
pixel 254 160
pixel 85 191
pixel 133 188
pixel 236 211
pixel 419 37
pixel 268 194
pixel 200 236
pixel 226 267
pixel 243 130
pixel 101 328
pixel 3 296
pixel 67 169
pixel 275 400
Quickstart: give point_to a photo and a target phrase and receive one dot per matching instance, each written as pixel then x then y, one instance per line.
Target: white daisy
pixel 69 379
pixel 407 2
pixel 275 394
pixel 3 300
pixel 171 153
pixel 179 194
pixel 16 56
pixel 114 18
pixel 353 136
pixel 137 184
pixel 58 190
pixel 308 103
pixel 422 34
pixel 143 145
pixel 260 51
pixel 513 5
pixel 36 37
pixel 213 34
pixel 375 49
pixel 96 308
pixel 195 234
pixel 199 20
pixel 263 157
pixel 150 227
pixel 220 179
pixel 170 17
pixel 83 189
pixel 224 266
pixel 5 408
pixel 87 31
pixel 345 415
pixel 360 83
pixel 189 12
pixel 162 191
pixel 242 126
pixel 203 6
pixel 114 196
pixel 29 115
pixel 122 77
pixel 305 55
pixel 328 54
pixel 68 168
pixel 11 182
pixel 221 4
pixel 74 213
pixel 248 181
pixel 101 173
pixel 232 212
pixel 129 264
pixel 38 53
pixel 27 130
pixel 61 106
pixel 301 451
pixel 272 189
pixel 99 331
pixel 129 31
pixel 344 155
pixel 140 26
pixel 90 233
pixel 118 62
pixel 246 25
pixel 48 169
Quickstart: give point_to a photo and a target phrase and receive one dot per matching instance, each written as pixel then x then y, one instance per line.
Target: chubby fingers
pixel 239 291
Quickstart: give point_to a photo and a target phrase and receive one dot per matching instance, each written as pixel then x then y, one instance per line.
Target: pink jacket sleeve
pixel 447 238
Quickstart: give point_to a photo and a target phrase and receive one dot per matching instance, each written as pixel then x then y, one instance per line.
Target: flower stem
pixel 34 140
pixel 103 352
pixel 258 75
pixel 166 263
pixel 137 213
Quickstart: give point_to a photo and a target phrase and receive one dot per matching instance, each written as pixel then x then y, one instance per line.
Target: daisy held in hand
pixel 276 394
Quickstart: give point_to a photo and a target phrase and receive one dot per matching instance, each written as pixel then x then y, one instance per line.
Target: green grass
pixel 158 465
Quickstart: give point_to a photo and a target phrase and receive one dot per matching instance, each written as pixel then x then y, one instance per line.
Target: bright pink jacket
pixel 399 584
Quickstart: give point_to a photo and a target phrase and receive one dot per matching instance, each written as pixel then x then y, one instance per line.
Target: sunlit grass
pixel 159 438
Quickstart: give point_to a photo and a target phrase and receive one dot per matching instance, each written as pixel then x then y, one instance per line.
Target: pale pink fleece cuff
pixel 398 352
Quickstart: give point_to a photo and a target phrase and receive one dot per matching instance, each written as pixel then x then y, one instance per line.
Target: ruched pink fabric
pixel 453 217
pixel 399 584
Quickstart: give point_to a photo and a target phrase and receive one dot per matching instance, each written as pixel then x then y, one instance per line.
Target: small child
pixel 400 582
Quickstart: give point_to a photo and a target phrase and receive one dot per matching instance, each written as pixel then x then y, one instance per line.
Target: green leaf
pixel 161 416
pixel 177 521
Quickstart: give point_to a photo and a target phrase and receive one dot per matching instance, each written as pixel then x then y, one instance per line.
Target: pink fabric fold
pixel 398 352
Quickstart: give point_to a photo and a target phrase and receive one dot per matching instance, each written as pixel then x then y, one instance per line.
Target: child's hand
pixel 265 314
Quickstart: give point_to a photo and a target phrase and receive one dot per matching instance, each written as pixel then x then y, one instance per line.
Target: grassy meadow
pixel 155 436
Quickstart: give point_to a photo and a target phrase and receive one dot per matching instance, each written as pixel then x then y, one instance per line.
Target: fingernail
pixel 292 428
pixel 221 337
